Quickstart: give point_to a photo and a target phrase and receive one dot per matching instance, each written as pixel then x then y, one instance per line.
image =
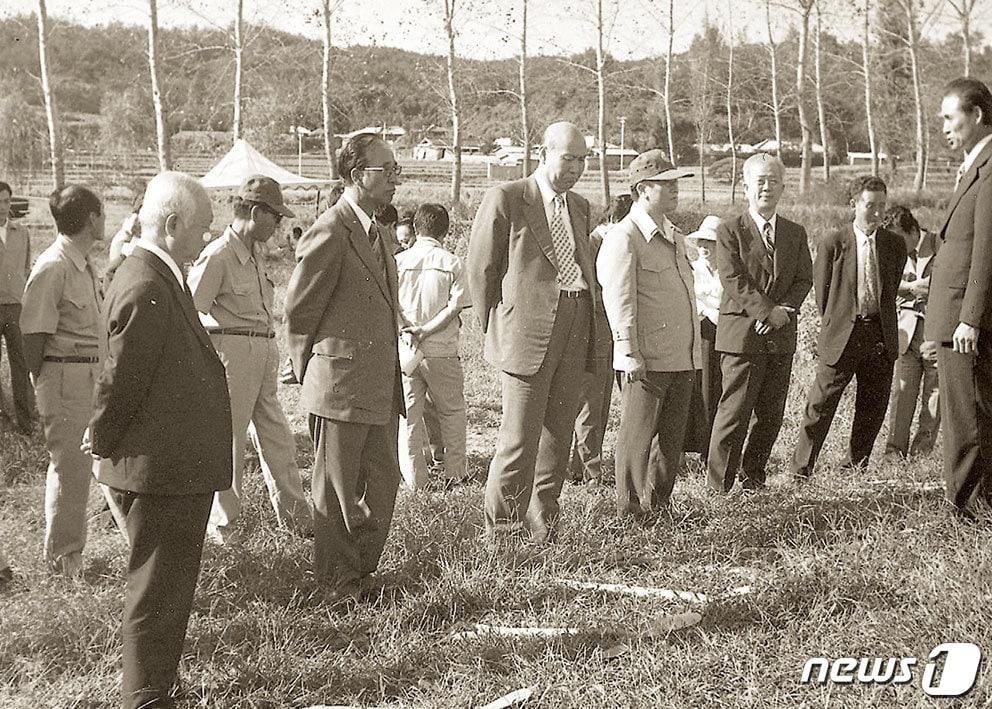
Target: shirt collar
pixel 363 218
pixel 760 221
pixel 427 241
pixel 165 258
pixel 240 250
pixel 972 155
pixel 647 225
pixel 68 246
pixel 548 193
pixel 861 236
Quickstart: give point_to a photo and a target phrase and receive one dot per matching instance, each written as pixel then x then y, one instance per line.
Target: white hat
pixel 706 230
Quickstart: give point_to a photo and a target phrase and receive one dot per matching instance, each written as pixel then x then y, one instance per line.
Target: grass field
pixel 850 565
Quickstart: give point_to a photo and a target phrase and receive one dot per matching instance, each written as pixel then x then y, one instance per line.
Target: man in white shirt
pixel 432 294
pixel 15 264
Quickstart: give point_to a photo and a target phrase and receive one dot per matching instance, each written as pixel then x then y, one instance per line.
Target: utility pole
pixel 623 123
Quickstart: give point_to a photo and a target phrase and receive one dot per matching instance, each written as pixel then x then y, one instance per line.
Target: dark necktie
pixel 375 241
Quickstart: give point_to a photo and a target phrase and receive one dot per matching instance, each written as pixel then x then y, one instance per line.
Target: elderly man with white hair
pixel 766 271
pixel 163 418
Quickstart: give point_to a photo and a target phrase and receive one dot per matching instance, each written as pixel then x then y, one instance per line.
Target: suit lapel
pixel 537 219
pixel 185 301
pixel 757 246
pixel 583 253
pixel 850 266
pixel 363 247
pixel 966 182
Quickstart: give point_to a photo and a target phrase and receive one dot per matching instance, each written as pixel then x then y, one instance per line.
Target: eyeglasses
pixel 274 213
pixel 386 170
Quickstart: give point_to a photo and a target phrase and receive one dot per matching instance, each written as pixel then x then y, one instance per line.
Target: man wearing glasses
pixel 342 314
pixel 532 278
pixel 233 293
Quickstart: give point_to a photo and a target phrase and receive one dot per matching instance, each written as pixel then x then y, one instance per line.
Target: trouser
pixel 535 434
pixel 166 533
pixel 65 403
pixel 755 389
pixel 915 377
pixel 966 408
pixel 20 385
pixel 443 379
pixel 251 365
pixel 863 357
pixel 705 394
pixel 590 424
pixel 649 442
pixel 355 478
pixel 435 442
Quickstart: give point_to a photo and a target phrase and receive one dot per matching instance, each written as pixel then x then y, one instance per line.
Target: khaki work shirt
pixel 15 262
pixel 63 299
pixel 231 287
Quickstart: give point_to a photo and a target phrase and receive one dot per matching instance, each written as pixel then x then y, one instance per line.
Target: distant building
pixel 395 136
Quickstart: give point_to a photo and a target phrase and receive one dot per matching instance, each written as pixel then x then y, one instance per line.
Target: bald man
pixel 530 273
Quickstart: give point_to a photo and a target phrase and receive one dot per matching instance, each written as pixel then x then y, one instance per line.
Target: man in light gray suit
pixel 530 274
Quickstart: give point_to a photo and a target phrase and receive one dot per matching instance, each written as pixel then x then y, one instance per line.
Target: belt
pixel 574 293
pixel 866 318
pixel 73 359
pixel 241 331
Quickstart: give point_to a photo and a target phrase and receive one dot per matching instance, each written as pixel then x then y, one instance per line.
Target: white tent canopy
pixel 242 161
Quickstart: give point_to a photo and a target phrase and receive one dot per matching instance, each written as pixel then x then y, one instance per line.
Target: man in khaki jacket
pixel 651 305
pixel 15 264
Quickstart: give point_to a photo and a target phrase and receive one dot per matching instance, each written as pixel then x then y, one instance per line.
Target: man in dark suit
pixel 531 276
pixel 163 418
pixel 765 269
pixel 342 317
pixel 856 276
pixel 959 311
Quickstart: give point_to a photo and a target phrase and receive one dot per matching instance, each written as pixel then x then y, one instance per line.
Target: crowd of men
pixel 156 383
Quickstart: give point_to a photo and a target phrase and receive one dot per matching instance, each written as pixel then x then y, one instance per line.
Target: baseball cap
pixel 652 165
pixel 259 188
pixel 706 230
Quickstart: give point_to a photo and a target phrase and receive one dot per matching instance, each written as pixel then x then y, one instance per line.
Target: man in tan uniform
pixel 63 348
pixel 233 293
pixel 15 263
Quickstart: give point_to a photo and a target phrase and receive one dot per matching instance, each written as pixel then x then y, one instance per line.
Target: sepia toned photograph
pixel 495 353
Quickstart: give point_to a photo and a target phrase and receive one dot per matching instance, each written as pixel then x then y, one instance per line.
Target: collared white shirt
pixel 364 219
pixel 165 257
pixel 865 242
pixel 646 224
pixel 708 289
pixel 760 221
pixel 972 155
pixel 548 195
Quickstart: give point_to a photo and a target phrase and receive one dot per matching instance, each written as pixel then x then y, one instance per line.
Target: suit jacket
pixel 650 298
pixel 835 280
pixel 911 309
pixel 512 270
pixel 342 317
pixel 162 412
pixel 754 283
pixel 962 270
pixel 15 263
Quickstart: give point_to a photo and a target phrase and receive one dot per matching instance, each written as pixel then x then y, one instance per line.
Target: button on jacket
pixel 649 293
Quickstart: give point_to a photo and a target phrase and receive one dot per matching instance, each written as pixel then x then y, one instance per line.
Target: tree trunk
pixel 668 81
pixel 913 37
pixel 604 174
pixel 325 92
pixel 51 112
pixel 866 73
pixel 772 50
pixel 966 36
pixel 702 171
pixel 524 124
pixel 807 135
pixel 456 136
pixel 730 112
pixel 161 126
pixel 821 111
pixel 238 66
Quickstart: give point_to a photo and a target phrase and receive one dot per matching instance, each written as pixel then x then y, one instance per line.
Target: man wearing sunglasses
pixel 233 293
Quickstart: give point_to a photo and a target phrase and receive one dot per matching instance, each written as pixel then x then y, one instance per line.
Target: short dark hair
pixel 972 94
pixel 385 214
pixel 4 187
pixel 618 209
pixel 865 183
pixel 405 220
pixel 899 217
pixel 353 154
pixel 71 206
pixel 431 220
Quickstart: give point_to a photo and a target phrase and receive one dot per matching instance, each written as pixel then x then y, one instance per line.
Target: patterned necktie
pixel 870 304
pixel 375 240
pixel 957 179
pixel 568 269
pixel 769 239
